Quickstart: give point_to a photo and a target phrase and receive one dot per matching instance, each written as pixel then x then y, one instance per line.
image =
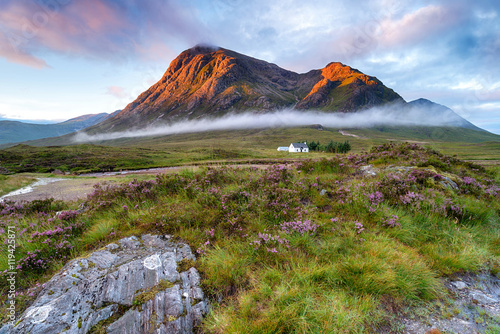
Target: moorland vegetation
pixel 309 246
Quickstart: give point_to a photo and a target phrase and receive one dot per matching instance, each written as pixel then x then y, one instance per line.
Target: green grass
pixel 341 263
pixel 466 144
pixel 225 147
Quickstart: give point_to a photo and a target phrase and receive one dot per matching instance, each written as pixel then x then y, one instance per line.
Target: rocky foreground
pixel 148 285
pixel 474 305
pixel 133 286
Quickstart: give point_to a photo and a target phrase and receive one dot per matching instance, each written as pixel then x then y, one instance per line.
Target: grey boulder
pixel 145 285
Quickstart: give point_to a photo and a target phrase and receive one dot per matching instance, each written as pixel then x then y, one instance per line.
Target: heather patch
pixel 281 248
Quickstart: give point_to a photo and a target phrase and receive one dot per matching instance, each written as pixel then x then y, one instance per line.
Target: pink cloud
pixel 11 53
pixel 386 32
pixel 97 16
pixel 92 28
pixel 77 27
pixel 117 91
pixel 417 26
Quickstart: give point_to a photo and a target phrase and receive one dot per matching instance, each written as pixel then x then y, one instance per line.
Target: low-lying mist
pixel 388 116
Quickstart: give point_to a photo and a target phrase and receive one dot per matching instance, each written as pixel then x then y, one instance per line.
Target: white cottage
pixel 298 147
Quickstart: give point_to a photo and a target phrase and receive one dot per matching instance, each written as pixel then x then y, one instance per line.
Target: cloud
pixel 304 35
pixel 9 51
pixel 422 47
pixel 74 28
pixel 383 116
pixel 296 34
pixel 117 91
pixel 99 29
pixel 390 31
pixel 412 28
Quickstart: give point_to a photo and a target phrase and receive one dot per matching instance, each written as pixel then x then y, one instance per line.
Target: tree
pixel 343 147
pixel 313 146
pixel 347 146
pixel 331 147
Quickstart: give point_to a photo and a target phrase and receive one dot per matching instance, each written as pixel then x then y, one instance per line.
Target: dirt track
pixel 73 189
pixel 67 190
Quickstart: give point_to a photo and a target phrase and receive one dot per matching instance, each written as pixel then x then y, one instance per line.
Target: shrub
pixel 298 226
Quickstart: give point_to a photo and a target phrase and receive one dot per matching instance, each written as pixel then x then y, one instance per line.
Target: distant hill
pixel 442 113
pixel 15 131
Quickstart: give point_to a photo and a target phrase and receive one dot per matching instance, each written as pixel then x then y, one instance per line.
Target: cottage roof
pixel 300 145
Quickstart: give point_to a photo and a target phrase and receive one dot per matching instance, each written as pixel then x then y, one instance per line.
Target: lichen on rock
pixel 136 288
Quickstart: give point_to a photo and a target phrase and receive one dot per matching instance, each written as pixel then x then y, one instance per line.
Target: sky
pixel 64 58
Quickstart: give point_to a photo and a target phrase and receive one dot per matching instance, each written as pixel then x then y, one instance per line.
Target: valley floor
pixel 356 243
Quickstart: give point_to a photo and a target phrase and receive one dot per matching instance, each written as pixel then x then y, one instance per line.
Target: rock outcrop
pixel 446 180
pixel 476 305
pixel 145 285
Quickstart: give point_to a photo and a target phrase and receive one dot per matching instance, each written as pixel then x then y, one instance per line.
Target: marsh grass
pixel 309 247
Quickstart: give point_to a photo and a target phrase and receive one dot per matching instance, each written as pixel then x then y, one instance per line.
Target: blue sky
pixel 64 58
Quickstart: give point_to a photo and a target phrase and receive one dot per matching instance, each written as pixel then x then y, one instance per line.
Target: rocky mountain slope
pixel 207 81
pixel 15 131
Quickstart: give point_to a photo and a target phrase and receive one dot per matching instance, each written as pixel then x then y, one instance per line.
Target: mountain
pixel 207 81
pixel 15 131
pixel 440 113
pixel 84 121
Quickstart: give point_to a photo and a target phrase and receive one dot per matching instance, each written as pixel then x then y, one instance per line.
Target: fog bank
pixel 288 118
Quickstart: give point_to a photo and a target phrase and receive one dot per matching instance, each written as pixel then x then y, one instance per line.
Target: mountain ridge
pixel 16 131
pixel 208 81
pixel 205 83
